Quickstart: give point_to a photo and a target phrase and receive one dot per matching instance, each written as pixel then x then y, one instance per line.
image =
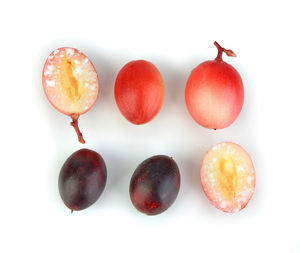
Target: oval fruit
pixel 214 92
pixel 228 177
pixel 139 91
pixel 70 83
pixel 155 184
pixel 82 179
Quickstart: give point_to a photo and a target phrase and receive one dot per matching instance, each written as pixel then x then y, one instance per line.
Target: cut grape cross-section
pixel 70 83
pixel 228 177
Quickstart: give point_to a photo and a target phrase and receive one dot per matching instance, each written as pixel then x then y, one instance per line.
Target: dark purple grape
pixel 155 184
pixel 82 179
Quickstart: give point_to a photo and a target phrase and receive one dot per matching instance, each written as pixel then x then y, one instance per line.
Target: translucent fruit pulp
pixel 228 177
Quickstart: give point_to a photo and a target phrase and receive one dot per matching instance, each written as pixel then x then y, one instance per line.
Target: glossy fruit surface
pixel 228 177
pixel 155 184
pixel 82 179
pixel 139 91
pixel 214 92
pixel 70 83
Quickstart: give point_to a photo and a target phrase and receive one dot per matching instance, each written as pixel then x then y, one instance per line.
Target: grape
pixel 82 179
pixel 155 184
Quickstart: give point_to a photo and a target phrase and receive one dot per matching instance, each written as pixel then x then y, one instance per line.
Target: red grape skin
pixel 214 92
pixel 82 179
pixel 139 91
pixel 155 184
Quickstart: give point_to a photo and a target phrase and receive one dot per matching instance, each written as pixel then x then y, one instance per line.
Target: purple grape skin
pixel 155 184
pixel 82 179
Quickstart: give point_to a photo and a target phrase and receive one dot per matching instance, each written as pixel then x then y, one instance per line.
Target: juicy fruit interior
pixel 226 176
pixel 68 81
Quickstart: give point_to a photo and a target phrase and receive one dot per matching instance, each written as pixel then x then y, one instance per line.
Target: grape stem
pixel 221 50
pixel 74 124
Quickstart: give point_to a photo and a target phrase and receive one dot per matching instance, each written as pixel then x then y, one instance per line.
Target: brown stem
pixel 221 50
pixel 74 124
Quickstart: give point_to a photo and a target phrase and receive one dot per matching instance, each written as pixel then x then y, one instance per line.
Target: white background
pixel 176 36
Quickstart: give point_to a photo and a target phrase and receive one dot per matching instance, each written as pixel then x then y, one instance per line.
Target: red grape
pixel 139 91
pixel 70 83
pixel 214 92
pixel 228 177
